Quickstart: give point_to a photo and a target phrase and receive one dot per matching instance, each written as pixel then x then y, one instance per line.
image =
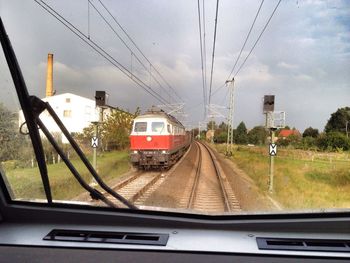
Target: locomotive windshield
pixel 158 126
pixel 210 107
pixel 140 126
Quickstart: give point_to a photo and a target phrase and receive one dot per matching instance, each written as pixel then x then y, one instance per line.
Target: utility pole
pixel 272 156
pixel 199 130
pixel 229 142
pixel 94 147
pixel 214 112
pixel 101 100
pixel 268 108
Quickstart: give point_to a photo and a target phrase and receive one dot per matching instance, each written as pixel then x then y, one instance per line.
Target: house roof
pixel 286 133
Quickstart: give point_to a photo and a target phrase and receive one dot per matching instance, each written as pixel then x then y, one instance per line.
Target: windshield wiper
pixel 39 106
pixel 23 98
pixel 32 107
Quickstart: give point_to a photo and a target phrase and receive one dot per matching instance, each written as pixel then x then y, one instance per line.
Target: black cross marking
pixel 273 149
pixel 94 142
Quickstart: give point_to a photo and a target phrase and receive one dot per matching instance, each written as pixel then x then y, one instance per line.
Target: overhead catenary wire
pixel 246 58
pixel 202 60
pixel 257 40
pixel 204 52
pixel 137 47
pixel 213 53
pixel 246 39
pixel 127 46
pixel 100 51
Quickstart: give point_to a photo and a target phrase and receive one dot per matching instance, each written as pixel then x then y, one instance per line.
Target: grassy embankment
pixel 303 179
pixel 26 182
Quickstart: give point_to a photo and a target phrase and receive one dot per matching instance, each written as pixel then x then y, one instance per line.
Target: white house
pixel 76 113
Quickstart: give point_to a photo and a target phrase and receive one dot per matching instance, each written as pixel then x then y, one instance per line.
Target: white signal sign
pixel 94 142
pixel 273 149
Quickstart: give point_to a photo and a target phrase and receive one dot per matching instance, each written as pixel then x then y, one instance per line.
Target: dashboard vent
pixel 325 245
pixel 107 237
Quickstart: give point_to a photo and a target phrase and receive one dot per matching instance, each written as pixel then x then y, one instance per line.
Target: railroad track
pixel 211 191
pixel 135 187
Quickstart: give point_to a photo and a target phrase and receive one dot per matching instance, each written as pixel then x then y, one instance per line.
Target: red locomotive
pixel 157 140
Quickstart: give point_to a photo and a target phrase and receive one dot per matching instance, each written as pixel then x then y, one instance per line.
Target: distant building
pixel 76 113
pixel 283 134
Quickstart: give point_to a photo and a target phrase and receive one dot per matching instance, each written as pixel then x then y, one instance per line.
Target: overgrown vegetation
pixel 303 179
pixel 26 182
pixel 333 139
pixel 113 133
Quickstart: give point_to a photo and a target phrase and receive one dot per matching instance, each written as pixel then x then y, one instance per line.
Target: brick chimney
pixel 49 76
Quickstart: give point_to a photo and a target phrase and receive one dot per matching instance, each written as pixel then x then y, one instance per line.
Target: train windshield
pixel 140 126
pixel 251 99
pixel 158 126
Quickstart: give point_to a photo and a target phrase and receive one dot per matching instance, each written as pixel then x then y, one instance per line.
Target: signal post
pixel 274 120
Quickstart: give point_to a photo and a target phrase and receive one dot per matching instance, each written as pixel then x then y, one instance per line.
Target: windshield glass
pixel 157 126
pixel 257 94
pixel 140 127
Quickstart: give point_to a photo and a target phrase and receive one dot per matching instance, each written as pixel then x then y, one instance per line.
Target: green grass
pixel 26 182
pixel 300 181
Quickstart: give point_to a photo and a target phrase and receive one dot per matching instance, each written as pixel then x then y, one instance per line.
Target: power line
pixel 201 47
pixel 218 89
pixel 133 42
pixel 213 54
pixel 100 51
pixel 246 39
pixel 267 23
pixel 204 53
pixel 126 45
pixel 243 46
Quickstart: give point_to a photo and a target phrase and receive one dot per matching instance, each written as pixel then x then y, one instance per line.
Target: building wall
pixel 74 111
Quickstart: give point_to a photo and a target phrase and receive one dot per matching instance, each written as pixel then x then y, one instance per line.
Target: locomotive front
pixel 157 140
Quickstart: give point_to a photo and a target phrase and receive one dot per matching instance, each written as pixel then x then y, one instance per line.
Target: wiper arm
pixel 39 106
pixel 23 98
pixel 32 107
pixel 95 194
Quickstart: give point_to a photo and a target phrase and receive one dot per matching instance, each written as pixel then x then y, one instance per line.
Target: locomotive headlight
pixel 135 151
pixel 149 138
pixel 163 151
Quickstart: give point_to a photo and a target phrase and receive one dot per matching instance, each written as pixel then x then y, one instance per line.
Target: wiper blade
pixel 39 106
pixel 32 107
pixel 23 98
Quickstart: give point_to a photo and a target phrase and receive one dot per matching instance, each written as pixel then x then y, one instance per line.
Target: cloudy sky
pixel 303 57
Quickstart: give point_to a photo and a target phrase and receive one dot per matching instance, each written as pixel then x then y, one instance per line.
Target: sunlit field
pixel 303 179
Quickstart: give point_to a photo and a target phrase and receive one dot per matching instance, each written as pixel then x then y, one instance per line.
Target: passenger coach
pixel 157 140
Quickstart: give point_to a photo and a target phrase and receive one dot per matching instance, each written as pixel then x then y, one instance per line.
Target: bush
pixel 333 141
pixel 308 143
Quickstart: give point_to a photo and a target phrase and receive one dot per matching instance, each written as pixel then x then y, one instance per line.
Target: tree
pixel 308 143
pixel 241 136
pixel 311 132
pixel 333 141
pixel 337 121
pixel 10 139
pixel 116 129
pixel 223 126
pixel 211 125
pixel 220 137
pixel 257 135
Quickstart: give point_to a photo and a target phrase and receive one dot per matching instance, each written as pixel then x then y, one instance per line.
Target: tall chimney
pixel 49 78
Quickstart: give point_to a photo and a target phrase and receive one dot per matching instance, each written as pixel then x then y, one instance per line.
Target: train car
pixel 157 140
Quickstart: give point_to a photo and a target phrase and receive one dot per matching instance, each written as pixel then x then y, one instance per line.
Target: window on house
pixel 67 113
